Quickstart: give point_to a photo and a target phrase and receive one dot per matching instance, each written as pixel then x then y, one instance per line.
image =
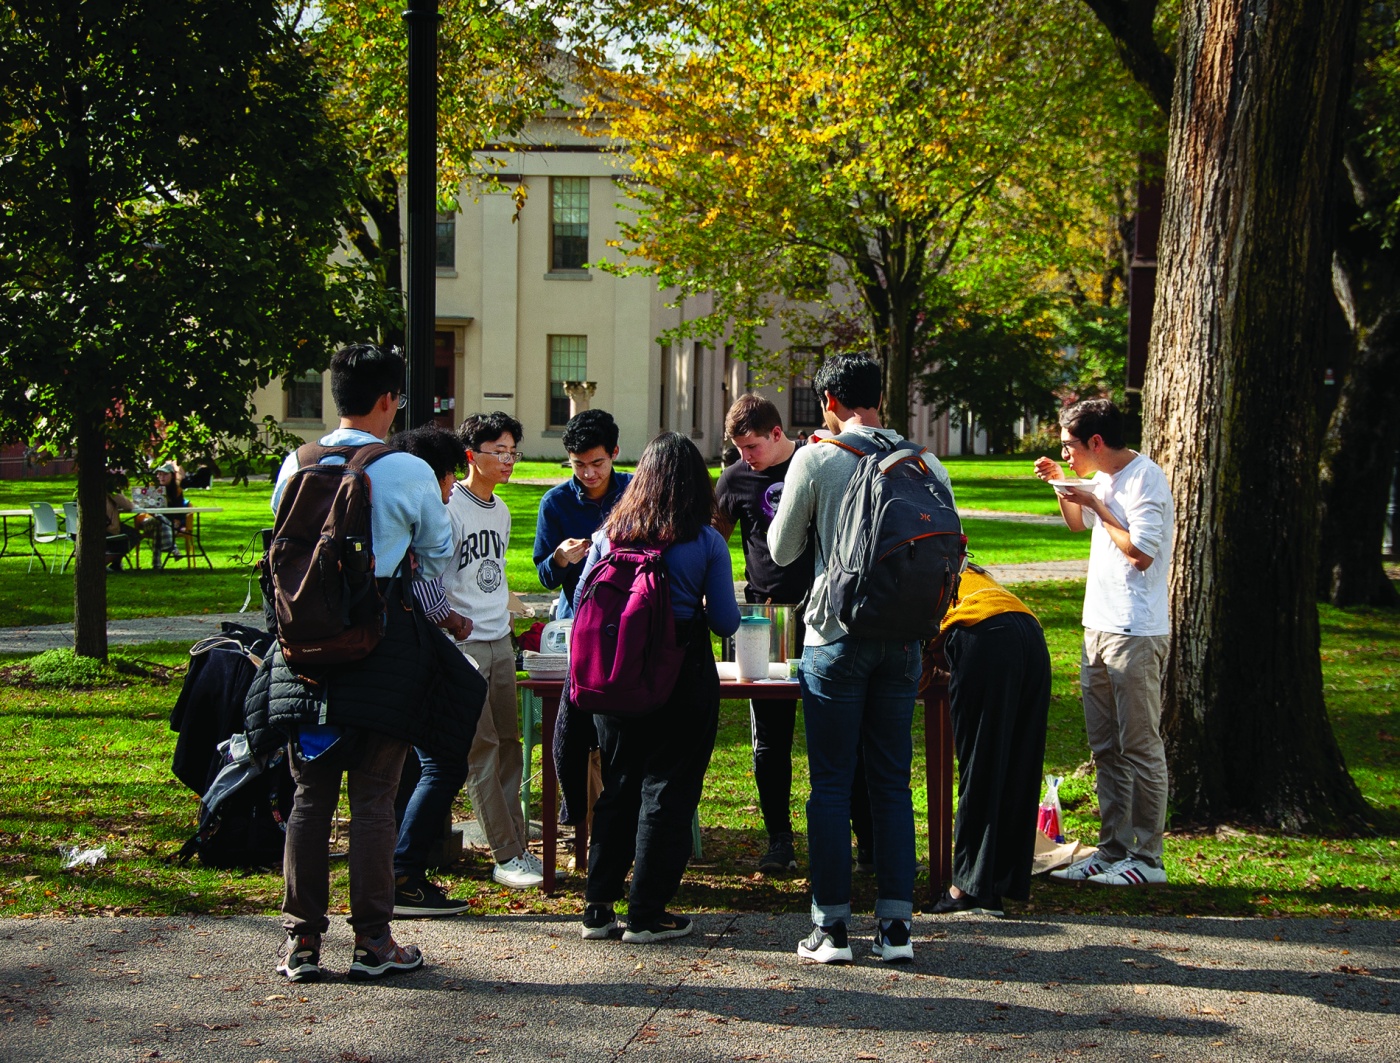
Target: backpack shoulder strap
pixel 368 454
pixel 356 456
pixel 311 454
pixel 855 447
pixel 861 446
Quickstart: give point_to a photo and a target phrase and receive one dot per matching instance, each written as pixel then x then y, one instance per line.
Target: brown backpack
pixel 321 561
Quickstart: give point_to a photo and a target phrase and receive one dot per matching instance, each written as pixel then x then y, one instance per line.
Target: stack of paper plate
pixel 546 665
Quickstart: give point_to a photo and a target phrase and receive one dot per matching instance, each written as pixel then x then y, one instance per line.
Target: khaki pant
pixel 495 764
pixel 1120 677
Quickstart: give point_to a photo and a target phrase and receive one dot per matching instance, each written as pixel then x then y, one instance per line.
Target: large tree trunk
pixel 90 573
pixel 1229 402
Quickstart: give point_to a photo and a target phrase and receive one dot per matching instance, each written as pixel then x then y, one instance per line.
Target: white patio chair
pixel 43 528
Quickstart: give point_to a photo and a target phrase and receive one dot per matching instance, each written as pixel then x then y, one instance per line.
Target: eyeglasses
pixel 505 457
pixel 1066 445
pixel 403 400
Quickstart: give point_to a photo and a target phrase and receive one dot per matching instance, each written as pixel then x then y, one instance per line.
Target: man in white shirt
pixel 1128 509
pixel 475 583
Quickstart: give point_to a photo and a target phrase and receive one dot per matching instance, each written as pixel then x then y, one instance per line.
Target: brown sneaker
pixel 389 957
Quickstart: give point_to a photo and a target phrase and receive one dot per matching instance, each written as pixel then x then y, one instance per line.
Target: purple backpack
pixel 623 656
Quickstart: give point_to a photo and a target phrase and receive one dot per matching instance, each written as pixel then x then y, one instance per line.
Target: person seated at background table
pixel 121 538
pixel 999 698
pixel 654 765
pixel 170 478
pixel 161 528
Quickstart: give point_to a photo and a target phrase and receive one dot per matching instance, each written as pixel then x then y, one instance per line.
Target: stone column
pixel 580 394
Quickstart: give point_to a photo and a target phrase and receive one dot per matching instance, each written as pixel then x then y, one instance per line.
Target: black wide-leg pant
pixel 653 771
pixel 1000 696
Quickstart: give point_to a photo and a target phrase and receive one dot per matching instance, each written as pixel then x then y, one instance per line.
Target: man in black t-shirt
pixel 749 492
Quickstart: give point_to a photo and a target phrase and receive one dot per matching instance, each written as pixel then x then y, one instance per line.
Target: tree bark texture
pixel 1229 401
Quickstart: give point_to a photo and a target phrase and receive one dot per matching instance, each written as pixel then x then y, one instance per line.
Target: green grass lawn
pixel 92 768
pixel 230 539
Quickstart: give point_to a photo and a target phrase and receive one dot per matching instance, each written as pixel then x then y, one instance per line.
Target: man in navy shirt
pixel 569 515
pixel 571 512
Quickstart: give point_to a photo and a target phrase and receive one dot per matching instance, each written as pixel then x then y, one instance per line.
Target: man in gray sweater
pixel 856 692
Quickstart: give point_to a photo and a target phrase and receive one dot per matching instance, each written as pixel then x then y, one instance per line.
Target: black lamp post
pixel 422 18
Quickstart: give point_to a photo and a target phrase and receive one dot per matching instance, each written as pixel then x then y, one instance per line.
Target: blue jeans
pixel 859 693
pixel 426 813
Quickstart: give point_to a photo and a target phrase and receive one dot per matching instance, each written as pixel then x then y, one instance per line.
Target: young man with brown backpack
pixel 350 701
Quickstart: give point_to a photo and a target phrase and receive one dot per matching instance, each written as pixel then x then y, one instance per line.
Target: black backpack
pixel 319 569
pixel 893 570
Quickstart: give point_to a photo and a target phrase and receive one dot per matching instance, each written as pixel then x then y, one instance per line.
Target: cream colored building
pixel 519 317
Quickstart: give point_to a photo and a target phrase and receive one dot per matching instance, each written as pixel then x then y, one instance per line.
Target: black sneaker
pixel 372 961
pixel 967 904
pixel 826 944
pixel 425 899
pixel 600 922
pixel 662 928
pixel 892 942
pixel 300 958
pixel 780 858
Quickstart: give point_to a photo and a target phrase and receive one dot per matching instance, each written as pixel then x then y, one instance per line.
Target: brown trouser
pixel 373 782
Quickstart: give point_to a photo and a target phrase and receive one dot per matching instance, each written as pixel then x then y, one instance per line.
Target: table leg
pixel 549 784
pixel 199 543
pixel 938 766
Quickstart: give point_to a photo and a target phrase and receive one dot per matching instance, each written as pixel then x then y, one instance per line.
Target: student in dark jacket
pixel 654 765
pixel 748 495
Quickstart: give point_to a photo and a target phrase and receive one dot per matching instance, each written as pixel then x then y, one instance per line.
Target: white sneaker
pixel 517 874
pixel 533 860
pixel 1082 871
pixel 1130 872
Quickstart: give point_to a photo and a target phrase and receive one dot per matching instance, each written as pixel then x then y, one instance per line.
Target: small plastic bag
pixel 1049 816
pixel 74 856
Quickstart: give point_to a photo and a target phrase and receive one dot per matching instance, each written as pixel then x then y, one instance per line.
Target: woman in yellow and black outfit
pixel 999 694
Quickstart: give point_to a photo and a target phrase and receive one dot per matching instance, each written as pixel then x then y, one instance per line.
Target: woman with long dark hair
pixel 654 765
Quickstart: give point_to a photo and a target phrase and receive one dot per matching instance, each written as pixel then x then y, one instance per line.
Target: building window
pixel 304 397
pixel 446 241
pixel 805 410
pixel 568 223
pixel 568 360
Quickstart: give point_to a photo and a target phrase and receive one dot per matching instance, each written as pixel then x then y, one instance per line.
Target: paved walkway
pixel 190 629
pixel 528 988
